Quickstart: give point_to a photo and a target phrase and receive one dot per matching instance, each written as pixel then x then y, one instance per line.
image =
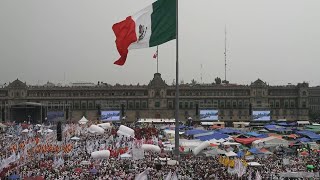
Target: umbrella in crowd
pixel 14 177
pixel 78 170
pixel 93 171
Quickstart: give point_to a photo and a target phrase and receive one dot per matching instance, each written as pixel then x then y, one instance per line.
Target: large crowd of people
pixel 37 155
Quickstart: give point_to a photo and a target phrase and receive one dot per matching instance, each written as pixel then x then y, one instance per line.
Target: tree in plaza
pixel 217 80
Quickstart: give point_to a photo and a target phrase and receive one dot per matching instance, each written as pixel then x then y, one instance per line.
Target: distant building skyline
pixel 93 83
pixel 54 41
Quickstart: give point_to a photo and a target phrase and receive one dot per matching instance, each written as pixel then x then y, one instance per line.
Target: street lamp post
pixel 189 121
pixel 124 119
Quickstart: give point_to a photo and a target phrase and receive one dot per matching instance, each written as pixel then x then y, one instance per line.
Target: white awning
pixel 206 123
pixel 303 122
pixel 230 154
pixel 156 121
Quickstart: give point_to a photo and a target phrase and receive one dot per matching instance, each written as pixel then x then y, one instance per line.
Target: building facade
pixel 155 100
pixel 314 103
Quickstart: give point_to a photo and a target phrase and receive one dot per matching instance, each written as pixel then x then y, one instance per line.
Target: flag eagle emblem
pixel 142 32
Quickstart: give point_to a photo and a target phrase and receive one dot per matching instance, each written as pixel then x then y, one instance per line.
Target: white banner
pixel 137 153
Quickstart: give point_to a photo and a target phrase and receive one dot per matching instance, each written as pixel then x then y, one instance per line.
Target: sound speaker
pixel 158 166
pixel 67 113
pixel 250 109
pixel 44 113
pixel 59 131
pixel 197 109
pixel 99 110
pixel 3 115
pixel 122 110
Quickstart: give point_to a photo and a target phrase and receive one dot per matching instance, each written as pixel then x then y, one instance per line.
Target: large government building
pixel 21 102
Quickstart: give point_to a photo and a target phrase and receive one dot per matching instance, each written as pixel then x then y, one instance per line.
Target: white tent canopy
pixel 271 141
pixel 254 164
pixel 75 138
pixel 83 120
pixel 231 154
pixel 126 156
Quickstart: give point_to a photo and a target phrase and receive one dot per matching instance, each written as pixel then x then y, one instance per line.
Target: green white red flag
pixel 152 26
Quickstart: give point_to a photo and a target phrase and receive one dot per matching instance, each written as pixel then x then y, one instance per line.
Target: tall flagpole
pixel 157 59
pixel 177 153
pixel 225 54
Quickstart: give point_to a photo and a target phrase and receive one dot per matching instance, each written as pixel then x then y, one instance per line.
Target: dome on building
pixel 157 81
pixel 258 82
pixel 17 84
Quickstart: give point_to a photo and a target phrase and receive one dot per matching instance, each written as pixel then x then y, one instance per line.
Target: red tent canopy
pixel 25 125
pixel 34 178
pixel 245 140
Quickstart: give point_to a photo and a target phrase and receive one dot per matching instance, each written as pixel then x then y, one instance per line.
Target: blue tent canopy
pixel 287 124
pixel 240 154
pixel 276 128
pixel 303 139
pixel 213 136
pixel 194 131
pixel 255 151
pixel 309 134
pixel 229 131
pixel 254 134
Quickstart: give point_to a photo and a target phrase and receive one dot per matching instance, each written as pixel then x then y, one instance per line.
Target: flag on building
pixel 258 176
pixel 152 26
pixel 155 55
pixel 142 176
pixel 168 176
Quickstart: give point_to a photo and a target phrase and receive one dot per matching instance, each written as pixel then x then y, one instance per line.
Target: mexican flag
pixel 152 26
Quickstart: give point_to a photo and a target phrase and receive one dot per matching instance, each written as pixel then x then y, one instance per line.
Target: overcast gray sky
pixel 275 40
